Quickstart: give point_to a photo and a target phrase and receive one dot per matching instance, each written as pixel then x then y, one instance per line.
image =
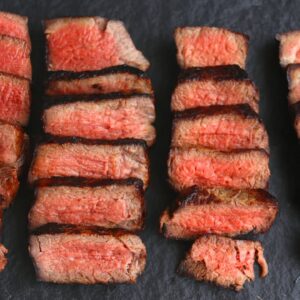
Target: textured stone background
pixel 151 24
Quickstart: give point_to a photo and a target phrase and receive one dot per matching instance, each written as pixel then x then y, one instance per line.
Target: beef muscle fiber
pixel 88 258
pixel 107 204
pixel 289 49
pixel 221 211
pixel 3 260
pixel 90 43
pixel 220 127
pixel 210 46
pixel 293 72
pixel 237 169
pixel 108 119
pixel 226 262
pixel 90 159
pixel 9 185
pixel 120 79
pixel 220 85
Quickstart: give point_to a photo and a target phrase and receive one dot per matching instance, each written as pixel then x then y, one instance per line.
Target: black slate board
pixel 151 24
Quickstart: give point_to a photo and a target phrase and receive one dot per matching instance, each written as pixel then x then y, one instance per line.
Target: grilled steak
pixel 88 257
pixel 289 50
pixel 237 169
pixel 14 99
pixel 15 57
pixel 220 127
pixel 121 79
pixel 221 211
pixel 108 119
pixel 221 85
pixel 210 46
pixel 91 159
pixel 15 26
pixel 296 111
pixel 9 185
pixel 90 43
pixel 3 260
pixel 107 204
pixel 293 75
pixel 226 262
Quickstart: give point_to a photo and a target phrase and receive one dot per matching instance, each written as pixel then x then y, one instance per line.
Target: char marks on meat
pixel 9 184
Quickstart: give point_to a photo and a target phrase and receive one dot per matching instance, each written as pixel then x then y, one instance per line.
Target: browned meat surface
pixel 3 259
pixel 88 258
pixel 9 185
pixel 224 261
pixel 219 211
pixel 210 46
pixel 289 49
pixel 296 111
pixel 293 75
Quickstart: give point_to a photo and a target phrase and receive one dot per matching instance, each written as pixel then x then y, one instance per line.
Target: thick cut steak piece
pixel 289 48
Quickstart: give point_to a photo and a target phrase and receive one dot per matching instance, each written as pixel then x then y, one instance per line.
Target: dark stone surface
pixel 151 24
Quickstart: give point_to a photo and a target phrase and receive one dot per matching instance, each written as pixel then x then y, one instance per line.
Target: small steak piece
pixel 88 257
pixel 210 46
pixel 237 169
pixel 289 48
pixel 296 111
pixel 15 26
pixel 219 211
pixel 15 57
pixel 9 185
pixel 293 75
pixel 121 79
pixel 3 259
pixel 221 85
pixel 78 201
pixel 14 99
pixel 107 119
pixel 90 159
pixel 13 144
pixel 220 127
pixel 224 261
pixel 90 43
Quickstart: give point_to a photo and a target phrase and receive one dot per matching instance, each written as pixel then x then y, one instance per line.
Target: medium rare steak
pixel 289 49
pixel 237 169
pixel 9 185
pixel 108 119
pixel 3 259
pixel 120 79
pixel 220 85
pixel 220 127
pixel 15 57
pixel 91 159
pixel 90 43
pixel 293 75
pixel 226 262
pixel 14 99
pixel 88 257
pixel 220 211
pixel 210 46
pixel 78 201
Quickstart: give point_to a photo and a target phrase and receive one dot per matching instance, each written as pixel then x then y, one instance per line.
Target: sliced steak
pixel 15 57
pixel 293 75
pixel 88 257
pixel 220 127
pixel 14 99
pixel 226 262
pixel 91 159
pixel 296 111
pixel 289 49
pixel 3 259
pixel 221 85
pixel 219 211
pixel 210 46
pixel 9 185
pixel 90 43
pixel 237 169
pixel 15 26
pixel 120 79
pixel 108 119
pixel 78 201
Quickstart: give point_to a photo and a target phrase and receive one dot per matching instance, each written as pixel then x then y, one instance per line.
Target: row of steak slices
pixel 15 79
pixel 219 160
pixel 91 168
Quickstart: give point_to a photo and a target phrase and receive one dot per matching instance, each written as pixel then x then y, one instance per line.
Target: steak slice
pixel 78 201
pixel 88 257
pixel 293 75
pixel 210 46
pixel 243 169
pixel 120 79
pixel 224 261
pixel 220 127
pixel 91 159
pixel 220 85
pixel 15 57
pixel 15 26
pixel 107 119
pixel 289 48
pixel 14 99
pixel 9 185
pixel 90 43
pixel 3 259
pixel 219 211
pixel 296 111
